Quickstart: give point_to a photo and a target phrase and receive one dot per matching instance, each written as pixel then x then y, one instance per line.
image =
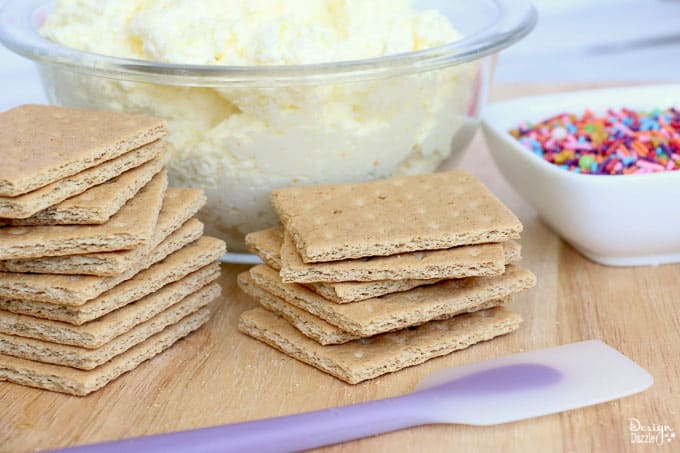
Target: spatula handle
pixel 288 433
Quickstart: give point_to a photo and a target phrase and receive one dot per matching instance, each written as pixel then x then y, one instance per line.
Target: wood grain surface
pixel 220 376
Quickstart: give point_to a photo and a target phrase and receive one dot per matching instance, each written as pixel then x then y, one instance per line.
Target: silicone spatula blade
pixel 500 390
pixel 536 383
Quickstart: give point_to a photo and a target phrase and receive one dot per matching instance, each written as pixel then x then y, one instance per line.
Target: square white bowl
pixel 616 220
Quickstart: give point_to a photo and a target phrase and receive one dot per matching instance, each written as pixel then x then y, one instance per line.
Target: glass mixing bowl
pixel 241 131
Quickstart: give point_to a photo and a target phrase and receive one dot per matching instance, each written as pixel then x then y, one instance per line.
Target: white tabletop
pixel 597 41
pixel 19 81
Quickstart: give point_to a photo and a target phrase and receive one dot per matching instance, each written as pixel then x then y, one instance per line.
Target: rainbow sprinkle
pixel 622 142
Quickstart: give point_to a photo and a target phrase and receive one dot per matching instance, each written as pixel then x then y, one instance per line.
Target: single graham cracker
pixel 369 358
pixel 99 203
pixel 347 292
pixel 267 244
pixel 179 205
pixel 456 262
pixel 308 324
pixel 399 310
pixel 76 290
pixel 42 144
pixel 171 260
pixel 86 358
pixel 96 333
pixel 312 326
pixel 131 227
pixel 80 382
pixel 192 275
pixel 392 216
pixel 29 209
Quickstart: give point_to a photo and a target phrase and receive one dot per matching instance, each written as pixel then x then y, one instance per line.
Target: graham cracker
pixel 42 144
pixel 347 292
pixel 314 327
pixel 87 359
pixel 457 262
pixel 131 227
pixel 80 382
pixel 179 205
pixel 99 203
pixel 21 210
pixel 392 216
pixel 267 244
pixel 309 325
pixel 76 290
pixel 369 358
pixel 399 310
pixel 95 334
pixel 143 284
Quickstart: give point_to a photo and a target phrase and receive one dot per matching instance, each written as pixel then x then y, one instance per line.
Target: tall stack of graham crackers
pixel 102 266
pixel 366 279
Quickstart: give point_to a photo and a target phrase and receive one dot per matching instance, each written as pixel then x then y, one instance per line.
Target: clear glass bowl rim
pixel 514 20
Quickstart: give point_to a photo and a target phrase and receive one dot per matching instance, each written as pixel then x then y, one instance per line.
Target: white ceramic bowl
pixel 614 220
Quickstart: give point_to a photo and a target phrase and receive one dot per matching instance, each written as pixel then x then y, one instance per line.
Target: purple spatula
pixel 501 390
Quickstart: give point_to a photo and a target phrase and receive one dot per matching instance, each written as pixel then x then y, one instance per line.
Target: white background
pixel 575 41
pixel 597 41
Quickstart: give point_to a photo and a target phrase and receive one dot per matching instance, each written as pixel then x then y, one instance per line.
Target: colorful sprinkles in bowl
pixel 622 142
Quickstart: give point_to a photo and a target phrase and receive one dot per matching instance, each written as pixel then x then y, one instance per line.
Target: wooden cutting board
pixel 220 376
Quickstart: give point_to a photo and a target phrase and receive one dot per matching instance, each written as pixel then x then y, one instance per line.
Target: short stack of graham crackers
pixel 102 266
pixel 366 279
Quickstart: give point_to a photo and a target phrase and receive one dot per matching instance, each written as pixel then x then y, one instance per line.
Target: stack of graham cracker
pixel 101 265
pixel 367 279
